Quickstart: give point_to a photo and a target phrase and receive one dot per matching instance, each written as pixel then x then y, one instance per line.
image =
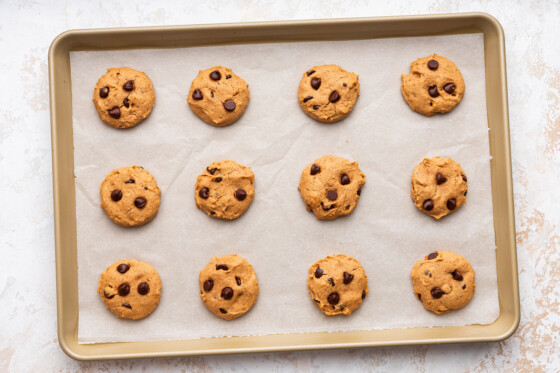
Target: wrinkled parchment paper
pixel 386 232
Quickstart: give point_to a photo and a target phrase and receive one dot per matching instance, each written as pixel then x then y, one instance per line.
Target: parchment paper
pixel 386 232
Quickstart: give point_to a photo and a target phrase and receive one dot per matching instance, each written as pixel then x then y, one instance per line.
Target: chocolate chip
pixel 140 202
pixel 359 192
pixel 344 85
pixel 104 92
pixel 123 289
pixel 344 179
pixel 129 181
pixel 218 179
pixel 363 294
pixel 347 207
pixel 223 311
pixel 333 298
pixel 208 284
pixel 116 195
pixel 229 105
pixel 436 293
pixel 211 171
pixel 326 208
pixel 315 107
pixel 227 293
pixel 108 296
pixel 238 280
pixel 228 76
pixel 334 97
pixel 419 296
pixel 464 178
pixel 143 288
pixel 215 75
pixel 433 64
pixel 464 286
pixel 310 72
pixel 204 193
pixel 433 91
pixel 449 88
pixel 432 256
pixel 457 276
pixel 115 113
pixel 240 194
pixel 197 95
pixel 307 98
pixel 126 102
pixel 128 86
pixel 332 195
pixel 330 281
pixel 428 205
pixel 465 193
pixel 440 179
pixel 315 169
pixel 316 83
pixel 347 278
pixel 123 268
pixel 127 305
pixel 451 203
pixel 222 267
pixel 212 94
pixel 318 272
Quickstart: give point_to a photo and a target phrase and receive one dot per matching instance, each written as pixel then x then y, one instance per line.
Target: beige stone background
pixel 28 340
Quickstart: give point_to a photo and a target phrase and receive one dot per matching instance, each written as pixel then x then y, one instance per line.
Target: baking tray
pixel 267 32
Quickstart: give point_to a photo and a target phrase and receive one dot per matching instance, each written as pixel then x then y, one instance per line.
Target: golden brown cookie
pixel 331 187
pixel 130 196
pixel 434 85
pixel 218 96
pixel 337 284
pixel 225 190
pixel 327 93
pixel 124 97
pixel 439 186
pixel 228 286
pixel 443 281
pixel 130 289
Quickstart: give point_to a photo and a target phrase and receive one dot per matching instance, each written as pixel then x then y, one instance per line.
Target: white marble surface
pixel 28 340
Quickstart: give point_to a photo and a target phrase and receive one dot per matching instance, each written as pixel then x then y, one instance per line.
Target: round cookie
pixel 327 93
pixel 443 281
pixel 228 286
pixel 331 187
pixel 124 97
pixel 130 196
pixel 434 85
pixel 337 284
pixel 439 186
pixel 130 289
pixel 218 96
pixel 225 190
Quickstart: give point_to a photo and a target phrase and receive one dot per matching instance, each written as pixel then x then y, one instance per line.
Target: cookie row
pixel 443 281
pixel 330 187
pixel 125 97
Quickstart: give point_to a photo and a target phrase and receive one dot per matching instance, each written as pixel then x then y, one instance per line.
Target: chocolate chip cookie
pixel 228 286
pixel 331 187
pixel 443 281
pixel 130 289
pixel 218 96
pixel 337 284
pixel 434 85
pixel 130 196
pixel 439 186
pixel 327 93
pixel 225 190
pixel 124 97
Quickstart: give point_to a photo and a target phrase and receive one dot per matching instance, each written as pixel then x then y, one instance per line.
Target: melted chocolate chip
pixel 204 193
pixel 432 256
pixel 115 113
pixel 128 86
pixel 218 179
pixel 315 169
pixel 143 288
pixel 344 179
pixel 451 203
pixel 318 272
pixel 310 72
pixel 457 276
pixel 433 91
pixel 211 171
pixel 307 98
pixel 127 305
pixel 347 278
pixel 208 284
pixel 222 267
pixel 116 195
pixel 332 195
pixel 227 293
pixel 436 293
pixel 316 83
pixel 223 311
pixel 197 95
pixel 333 298
pixel 129 181
pixel 449 88
pixel 428 205
pixel 215 75
pixel 334 97
pixel 104 92
pixel 229 105
pixel 123 289
pixel 240 194
pixel 108 296
pixel 440 179
pixel 140 202
pixel 433 64
pixel 238 280
pixel 123 268
pixel 330 281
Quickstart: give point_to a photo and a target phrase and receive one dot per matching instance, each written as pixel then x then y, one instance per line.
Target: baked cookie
pixel 130 196
pixel 218 96
pixel 130 289
pixel 327 93
pixel 337 284
pixel 439 186
pixel 225 190
pixel 331 187
pixel 443 281
pixel 228 286
pixel 434 85
pixel 124 97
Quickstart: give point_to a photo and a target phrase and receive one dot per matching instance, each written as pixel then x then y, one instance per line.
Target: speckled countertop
pixel 28 340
